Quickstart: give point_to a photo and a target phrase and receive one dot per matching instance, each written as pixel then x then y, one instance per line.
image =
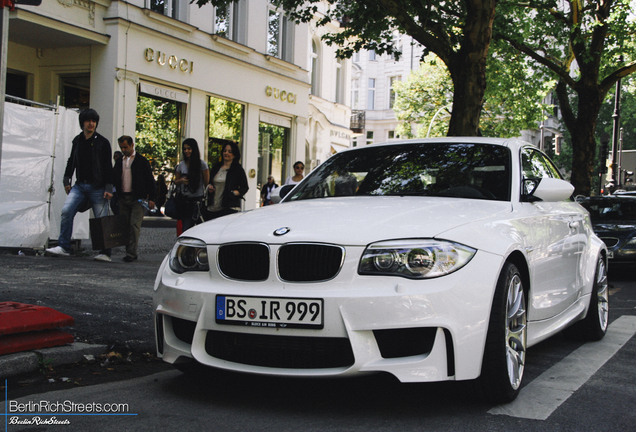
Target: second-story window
pixel 315 68
pixel 228 22
pixel 355 93
pixel 392 81
pixel 165 7
pixel 371 94
pixel 340 79
pixel 279 34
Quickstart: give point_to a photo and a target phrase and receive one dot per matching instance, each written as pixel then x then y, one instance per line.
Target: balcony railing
pixel 357 121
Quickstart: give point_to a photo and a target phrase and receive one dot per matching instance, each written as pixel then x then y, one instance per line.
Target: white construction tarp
pixel 36 144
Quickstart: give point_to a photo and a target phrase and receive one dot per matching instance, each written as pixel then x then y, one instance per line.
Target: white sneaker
pixel 57 251
pixel 102 257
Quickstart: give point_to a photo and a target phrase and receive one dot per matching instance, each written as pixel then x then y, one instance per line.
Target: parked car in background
pixel 614 221
pixel 432 260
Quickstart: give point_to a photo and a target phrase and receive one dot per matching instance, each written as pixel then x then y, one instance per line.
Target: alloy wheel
pixel 516 328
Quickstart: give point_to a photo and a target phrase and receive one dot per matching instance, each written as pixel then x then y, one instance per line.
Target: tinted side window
pixel 536 165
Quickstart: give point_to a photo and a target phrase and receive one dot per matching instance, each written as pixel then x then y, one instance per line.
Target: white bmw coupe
pixel 432 260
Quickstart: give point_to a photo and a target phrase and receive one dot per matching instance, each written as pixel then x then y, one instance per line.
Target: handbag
pixel 174 203
pixel 109 231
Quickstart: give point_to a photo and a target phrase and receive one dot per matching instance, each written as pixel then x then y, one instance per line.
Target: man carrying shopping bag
pixel 90 161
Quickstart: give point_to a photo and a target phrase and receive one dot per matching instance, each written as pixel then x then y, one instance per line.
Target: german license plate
pixel 272 312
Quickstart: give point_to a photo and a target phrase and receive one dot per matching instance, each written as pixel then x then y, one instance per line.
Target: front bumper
pixel 417 330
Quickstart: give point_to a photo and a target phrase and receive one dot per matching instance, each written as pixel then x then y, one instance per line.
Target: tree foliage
pixel 157 132
pixel 512 101
pixel 225 122
pixel 578 43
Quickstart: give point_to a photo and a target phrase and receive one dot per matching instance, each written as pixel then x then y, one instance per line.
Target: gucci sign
pixel 172 61
pixel 280 94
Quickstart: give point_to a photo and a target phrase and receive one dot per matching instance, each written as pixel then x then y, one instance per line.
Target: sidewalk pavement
pixel 157 237
pixel 31 361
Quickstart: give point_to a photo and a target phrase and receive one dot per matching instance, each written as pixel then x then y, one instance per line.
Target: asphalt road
pixel 582 387
pixel 110 302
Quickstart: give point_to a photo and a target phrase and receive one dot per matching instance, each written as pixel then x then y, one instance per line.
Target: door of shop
pixel 158 132
pixel 273 148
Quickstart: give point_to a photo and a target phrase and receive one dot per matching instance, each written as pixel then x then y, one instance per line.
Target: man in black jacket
pixel 90 161
pixel 134 184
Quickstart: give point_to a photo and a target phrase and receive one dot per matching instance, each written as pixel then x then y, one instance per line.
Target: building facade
pixel 372 78
pixel 240 73
pixel 329 111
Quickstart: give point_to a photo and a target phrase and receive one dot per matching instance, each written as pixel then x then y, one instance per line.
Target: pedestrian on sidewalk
pixel 90 161
pixel 135 186
pixel 191 177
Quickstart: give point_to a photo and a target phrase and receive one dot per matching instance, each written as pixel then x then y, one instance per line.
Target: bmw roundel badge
pixel 281 231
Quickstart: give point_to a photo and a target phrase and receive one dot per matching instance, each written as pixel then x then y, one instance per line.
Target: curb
pixel 30 361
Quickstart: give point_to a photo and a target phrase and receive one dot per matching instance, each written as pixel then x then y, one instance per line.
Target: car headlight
pixel 415 259
pixel 189 254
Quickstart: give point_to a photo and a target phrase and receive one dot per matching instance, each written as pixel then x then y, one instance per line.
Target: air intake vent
pixel 290 352
pixel 244 261
pixel 309 262
pixel 610 241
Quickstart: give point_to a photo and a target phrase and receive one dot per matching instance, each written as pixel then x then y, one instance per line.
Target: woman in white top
pixel 191 176
pixel 299 168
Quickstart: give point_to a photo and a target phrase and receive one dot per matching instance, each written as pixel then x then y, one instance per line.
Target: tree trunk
pixel 582 128
pixel 468 68
pixel 469 86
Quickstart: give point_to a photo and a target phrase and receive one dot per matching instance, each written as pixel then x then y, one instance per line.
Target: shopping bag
pixel 109 231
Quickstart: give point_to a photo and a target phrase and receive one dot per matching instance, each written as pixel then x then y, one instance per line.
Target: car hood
pixel 349 220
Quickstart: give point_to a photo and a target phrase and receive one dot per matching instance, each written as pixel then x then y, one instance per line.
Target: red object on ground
pixel 20 318
pixel 25 327
pixel 33 340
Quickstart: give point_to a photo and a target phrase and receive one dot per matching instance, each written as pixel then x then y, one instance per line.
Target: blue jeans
pixel 80 192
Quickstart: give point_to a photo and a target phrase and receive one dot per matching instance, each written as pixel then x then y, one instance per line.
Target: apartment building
pixel 372 78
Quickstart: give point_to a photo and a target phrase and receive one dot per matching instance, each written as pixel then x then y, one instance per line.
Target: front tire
pixel 505 350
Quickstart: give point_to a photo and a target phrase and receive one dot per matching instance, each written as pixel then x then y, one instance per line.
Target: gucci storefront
pixel 162 77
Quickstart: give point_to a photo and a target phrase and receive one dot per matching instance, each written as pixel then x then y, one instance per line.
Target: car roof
pixel 513 143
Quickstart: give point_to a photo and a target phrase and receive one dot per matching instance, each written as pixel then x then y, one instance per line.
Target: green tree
pixel 512 101
pixel 459 33
pixel 578 43
pixel 424 100
pixel 156 133
pixel 627 114
pixel 225 123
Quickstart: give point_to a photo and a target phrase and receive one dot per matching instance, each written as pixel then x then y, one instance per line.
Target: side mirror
pixel 547 189
pixel 279 193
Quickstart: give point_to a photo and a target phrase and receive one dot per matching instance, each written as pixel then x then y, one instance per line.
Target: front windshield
pixel 478 171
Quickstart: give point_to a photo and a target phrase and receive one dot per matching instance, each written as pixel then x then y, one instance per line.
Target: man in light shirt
pixel 134 183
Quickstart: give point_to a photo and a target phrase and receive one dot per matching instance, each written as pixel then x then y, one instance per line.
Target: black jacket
pixel 101 156
pixel 236 180
pixel 143 182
